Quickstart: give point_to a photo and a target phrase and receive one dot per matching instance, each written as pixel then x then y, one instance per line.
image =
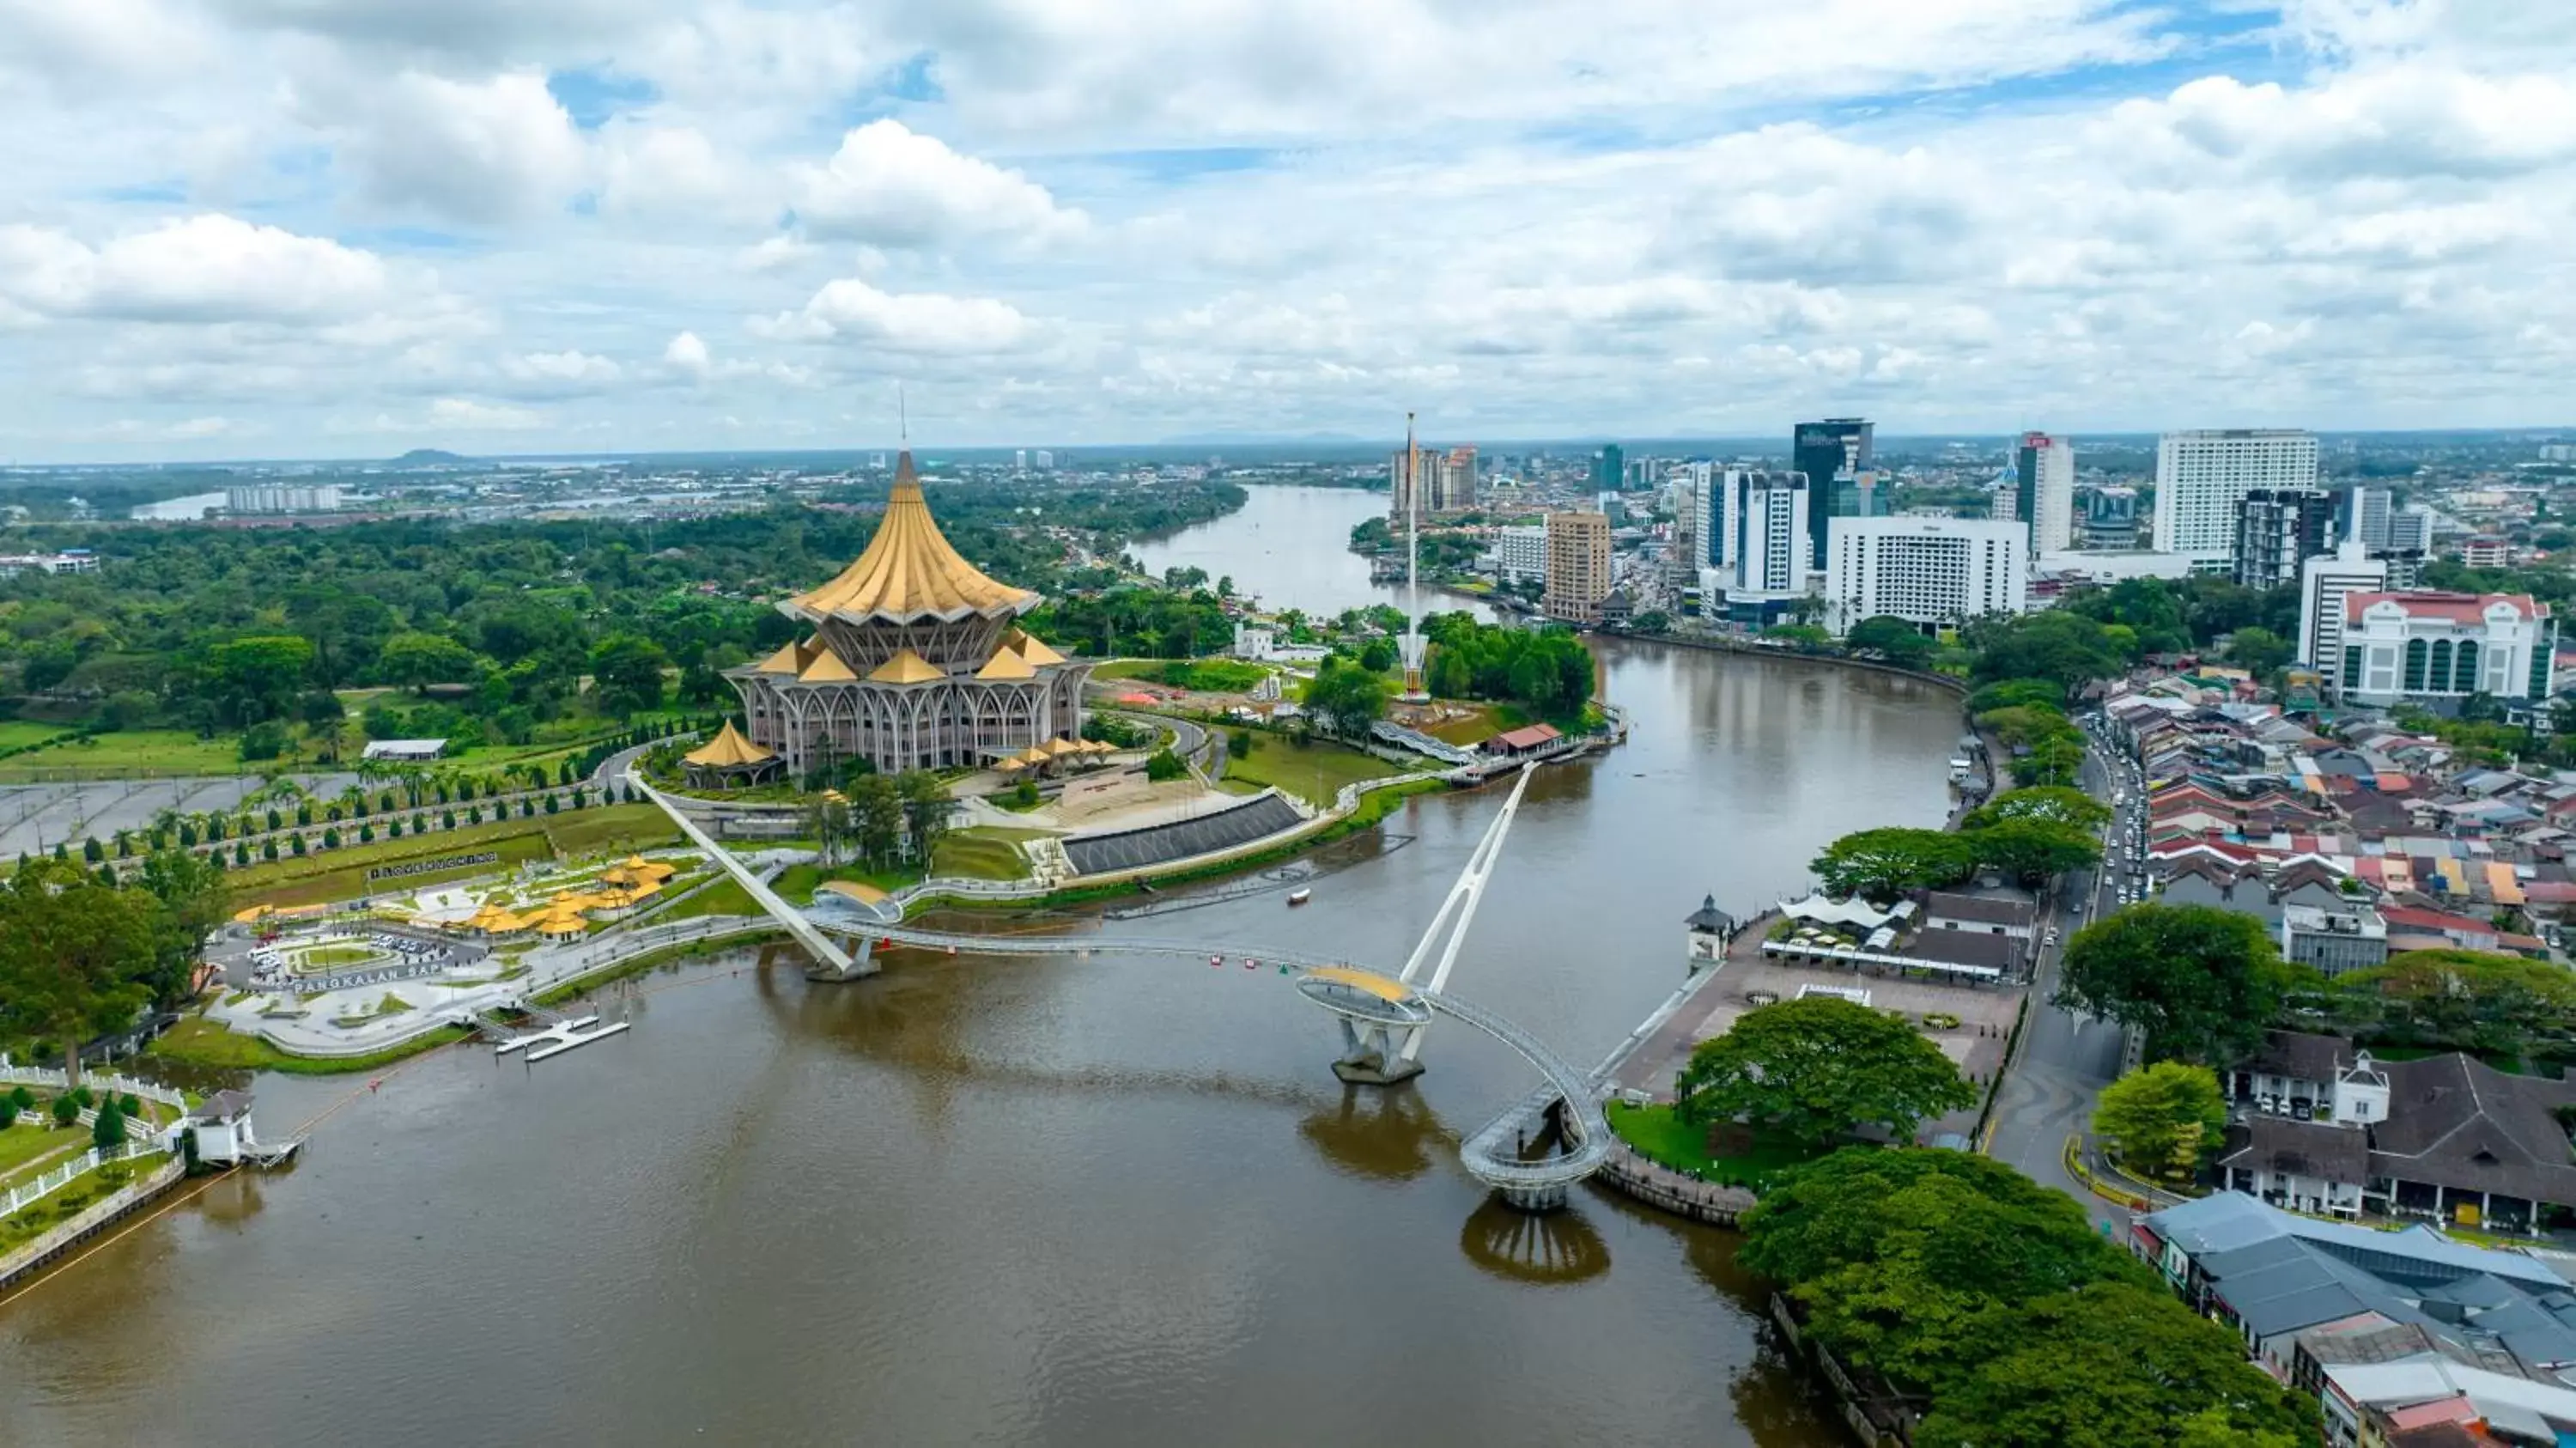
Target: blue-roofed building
pixel 2274 1276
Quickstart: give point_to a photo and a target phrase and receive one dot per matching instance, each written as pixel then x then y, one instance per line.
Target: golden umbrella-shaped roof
pixel 909 571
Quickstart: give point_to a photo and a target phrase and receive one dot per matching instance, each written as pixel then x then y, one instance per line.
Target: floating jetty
pixel 556 1036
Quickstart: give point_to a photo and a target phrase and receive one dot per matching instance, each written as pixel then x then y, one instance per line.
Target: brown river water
pixel 1101 1201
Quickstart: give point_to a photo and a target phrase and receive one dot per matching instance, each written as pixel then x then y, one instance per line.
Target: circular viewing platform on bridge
pixel 1364 995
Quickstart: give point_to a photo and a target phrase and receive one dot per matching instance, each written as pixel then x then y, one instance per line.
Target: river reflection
pixel 1059 1201
pixel 1381 1132
pixel 1550 1250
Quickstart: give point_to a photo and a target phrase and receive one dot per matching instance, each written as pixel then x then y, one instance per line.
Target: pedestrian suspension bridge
pixel 1384 1016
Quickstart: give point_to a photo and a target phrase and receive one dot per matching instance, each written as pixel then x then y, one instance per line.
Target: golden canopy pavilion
pixel 729 759
pixel 916 661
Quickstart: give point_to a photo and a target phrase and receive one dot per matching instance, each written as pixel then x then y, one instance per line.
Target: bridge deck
pixel 1491 1153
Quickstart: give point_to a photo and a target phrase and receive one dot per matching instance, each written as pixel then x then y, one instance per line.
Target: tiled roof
pixel 2456 607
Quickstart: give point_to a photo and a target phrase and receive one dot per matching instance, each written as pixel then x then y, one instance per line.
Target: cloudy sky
pixel 343 228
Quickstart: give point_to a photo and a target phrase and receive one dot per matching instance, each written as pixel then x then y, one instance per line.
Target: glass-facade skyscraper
pixel 1833 454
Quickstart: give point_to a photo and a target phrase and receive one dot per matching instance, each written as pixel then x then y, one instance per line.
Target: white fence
pixel 27 1194
pixel 96 1081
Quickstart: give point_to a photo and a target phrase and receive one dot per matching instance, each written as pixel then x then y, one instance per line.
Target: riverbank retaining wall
pixel 41 1253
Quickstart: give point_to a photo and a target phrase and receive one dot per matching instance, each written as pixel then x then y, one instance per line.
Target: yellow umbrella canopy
pixel 1059 748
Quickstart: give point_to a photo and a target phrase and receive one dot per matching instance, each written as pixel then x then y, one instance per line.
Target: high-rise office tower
pixel 1824 451
pixel 1768 537
pixel 2277 530
pixel 1609 469
pixel 2201 476
pixel 2044 491
pixel 1457 479
pixel 2363 514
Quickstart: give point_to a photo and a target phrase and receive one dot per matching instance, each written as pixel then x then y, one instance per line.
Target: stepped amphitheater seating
pixel 1136 849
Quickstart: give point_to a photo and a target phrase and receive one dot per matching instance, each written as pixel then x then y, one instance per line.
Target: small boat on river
pixel 1300 895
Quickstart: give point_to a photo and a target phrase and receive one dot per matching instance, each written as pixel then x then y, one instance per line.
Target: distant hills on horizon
pixel 1253 448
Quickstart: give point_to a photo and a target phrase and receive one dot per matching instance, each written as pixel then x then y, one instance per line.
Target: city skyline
pixel 337 229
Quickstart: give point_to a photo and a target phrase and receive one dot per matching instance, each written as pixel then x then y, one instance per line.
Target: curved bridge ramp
pixel 1492 1154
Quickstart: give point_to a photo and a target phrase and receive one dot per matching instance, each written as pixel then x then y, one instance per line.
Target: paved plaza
pixel 1976 1044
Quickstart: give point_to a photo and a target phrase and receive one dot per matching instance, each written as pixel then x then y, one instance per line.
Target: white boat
pixel 1300 895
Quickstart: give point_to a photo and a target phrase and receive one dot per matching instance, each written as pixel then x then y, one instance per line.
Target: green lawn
pixel 1660 1136
pixel 197 1041
pixel 77 1196
pixel 725 897
pixel 161 751
pixel 341 874
pixel 984 853
pixel 324 956
pixel 1128 668
pixel 1488 721
pixel 19 733
pixel 34 1136
pixel 1315 773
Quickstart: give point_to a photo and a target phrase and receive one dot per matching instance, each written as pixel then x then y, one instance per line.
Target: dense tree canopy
pixel 1958 1277
pixel 1901 641
pixel 1901 1255
pixel 220 628
pixel 2063 646
pixel 1818 1067
pixel 2201 981
pixel 2111 1364
pixel 1882 864
pixel 2058 804
pixel 2464 1000
pixel 1547 671
pixel 79 957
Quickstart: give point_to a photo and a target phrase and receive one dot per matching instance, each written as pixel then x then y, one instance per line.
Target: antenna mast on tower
pixel 1413 690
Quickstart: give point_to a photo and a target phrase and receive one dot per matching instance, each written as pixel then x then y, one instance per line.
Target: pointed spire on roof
pixel 909 570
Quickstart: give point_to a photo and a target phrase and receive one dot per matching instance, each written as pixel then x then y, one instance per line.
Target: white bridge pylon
pixel 1375 1056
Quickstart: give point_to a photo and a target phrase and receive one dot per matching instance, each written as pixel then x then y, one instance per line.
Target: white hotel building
pixel 2202 476
pixel 1933 572
pixel 2444 646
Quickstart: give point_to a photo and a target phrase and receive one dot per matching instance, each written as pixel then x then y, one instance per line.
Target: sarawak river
pixel 1106 1201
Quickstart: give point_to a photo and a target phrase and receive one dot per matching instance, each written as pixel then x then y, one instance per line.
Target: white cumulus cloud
pixel 891 186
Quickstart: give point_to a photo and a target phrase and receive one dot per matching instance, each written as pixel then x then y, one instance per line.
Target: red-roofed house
pixel 2445 646
pixel 2460 930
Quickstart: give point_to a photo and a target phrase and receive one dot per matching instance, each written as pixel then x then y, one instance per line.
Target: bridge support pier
pixel 1549 1198
pixel 863 963
pixel 1369 1058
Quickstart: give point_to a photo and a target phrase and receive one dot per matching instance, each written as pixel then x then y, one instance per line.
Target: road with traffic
pixel 2064 1057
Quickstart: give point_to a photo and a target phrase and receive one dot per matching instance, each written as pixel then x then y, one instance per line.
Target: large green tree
pixel 76 955
pixel 2032 849
pixel 2109 1365
pixel 1902 1256
pixel 2467 1000
pixel 258 677
pixel 416 660
pixel 2163 1119
pixel 2057 803
pixel 2059 645
pixel 1346 697
pixel 628 671
pixel 876 816
pixel 1885 863
pixel 2202 982
pixel 926 811
pixel 1818 1067
pixel 1897 638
